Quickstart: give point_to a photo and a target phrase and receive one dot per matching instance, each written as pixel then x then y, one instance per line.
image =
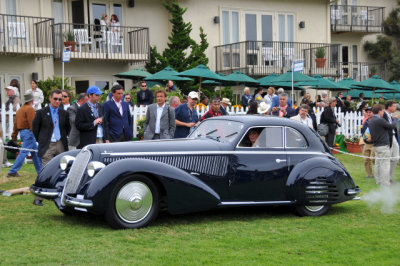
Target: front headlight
pixel 66 162
pixel 94 167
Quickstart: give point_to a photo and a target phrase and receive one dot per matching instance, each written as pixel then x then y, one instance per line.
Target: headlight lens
pixel 94 167
pixel 66 161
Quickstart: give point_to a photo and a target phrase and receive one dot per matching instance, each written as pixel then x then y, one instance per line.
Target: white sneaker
pixel 7 164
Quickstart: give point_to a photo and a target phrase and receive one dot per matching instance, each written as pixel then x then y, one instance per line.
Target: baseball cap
pixel 94 90
pixel 193 95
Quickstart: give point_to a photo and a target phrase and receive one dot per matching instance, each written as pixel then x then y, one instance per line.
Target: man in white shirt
pixel 303 117
pixel 160 119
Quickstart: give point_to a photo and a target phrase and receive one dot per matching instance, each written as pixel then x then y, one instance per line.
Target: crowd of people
pixel 63 125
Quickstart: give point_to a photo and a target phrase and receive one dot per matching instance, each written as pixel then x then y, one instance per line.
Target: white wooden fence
pixel 351 122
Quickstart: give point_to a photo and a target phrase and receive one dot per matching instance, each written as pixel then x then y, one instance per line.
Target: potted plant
pixel 353 145
pixel 372 71
pixel 320 57
pixel 70 40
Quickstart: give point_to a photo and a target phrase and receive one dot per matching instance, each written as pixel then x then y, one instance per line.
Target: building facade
pixel 257 37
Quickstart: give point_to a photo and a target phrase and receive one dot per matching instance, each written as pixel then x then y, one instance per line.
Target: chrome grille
pixel 76 172
pixel 215 165
pixel 321 190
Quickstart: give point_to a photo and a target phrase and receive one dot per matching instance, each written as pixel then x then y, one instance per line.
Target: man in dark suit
pixel 118 124
pixel 160 119
pixel 390 107
pixel 89 119
pixel 51 127
pixel 73 138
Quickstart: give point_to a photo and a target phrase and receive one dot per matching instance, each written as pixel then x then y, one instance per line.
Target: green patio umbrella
pixel 136 73
pixel 375 82
pixel 238 77
pixel 167 73
pixel 266 81
pixel 396 87
pixel 297 77
pixel 322 83
pixel 201 72
pixel 349 83
pixel 287 84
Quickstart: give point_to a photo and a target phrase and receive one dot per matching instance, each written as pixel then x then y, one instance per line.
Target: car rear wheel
pixel 305 210
pixel 134 203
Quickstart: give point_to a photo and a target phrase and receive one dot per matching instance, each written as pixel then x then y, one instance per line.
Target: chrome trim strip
pixel 212 152
pixel 352 191
pixel 232 203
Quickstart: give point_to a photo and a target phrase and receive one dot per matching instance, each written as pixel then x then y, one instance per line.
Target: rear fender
pixel 185 193
pixel 328 170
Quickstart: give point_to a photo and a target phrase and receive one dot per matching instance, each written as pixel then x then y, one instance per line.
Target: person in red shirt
pixel 214 109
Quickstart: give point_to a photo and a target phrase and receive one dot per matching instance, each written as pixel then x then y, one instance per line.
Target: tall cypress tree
pixel 179 44
pixel 387 47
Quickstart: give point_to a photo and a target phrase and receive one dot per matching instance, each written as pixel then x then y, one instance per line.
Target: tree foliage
pixel 387 47
pixel 182 51
pixel 51 84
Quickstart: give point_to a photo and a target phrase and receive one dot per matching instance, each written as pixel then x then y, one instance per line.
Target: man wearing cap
pixel 186 116
pixel 89 119
pixel 23 125
pixel 214 109
pixel 12 98
pixel 118 123
pixel 224 104
pixel 74 134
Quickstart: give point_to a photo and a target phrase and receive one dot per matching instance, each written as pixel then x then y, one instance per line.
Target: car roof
pixel 254 120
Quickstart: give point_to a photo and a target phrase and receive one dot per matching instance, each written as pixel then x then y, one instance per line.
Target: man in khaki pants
pixel 368 149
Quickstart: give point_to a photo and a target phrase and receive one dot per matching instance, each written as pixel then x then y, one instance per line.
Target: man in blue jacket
pixel 118 124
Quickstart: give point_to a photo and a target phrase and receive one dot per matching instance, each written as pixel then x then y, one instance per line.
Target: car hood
pixel 173 145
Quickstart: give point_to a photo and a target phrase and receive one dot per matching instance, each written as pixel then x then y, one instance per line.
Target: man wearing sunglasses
pixel 214 109
pixel 144 95
pixel 51 128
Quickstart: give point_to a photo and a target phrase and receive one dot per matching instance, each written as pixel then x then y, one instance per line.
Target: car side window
pixel 273 137
pixel 263 137
pixel 294 139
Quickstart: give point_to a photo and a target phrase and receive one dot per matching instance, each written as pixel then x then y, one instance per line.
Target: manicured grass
pixel 350 234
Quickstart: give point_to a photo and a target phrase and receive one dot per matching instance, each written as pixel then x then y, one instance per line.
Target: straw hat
pixel 263 108
pixel 226 101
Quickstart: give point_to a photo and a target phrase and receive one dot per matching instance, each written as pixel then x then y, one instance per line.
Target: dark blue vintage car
pixel 226 161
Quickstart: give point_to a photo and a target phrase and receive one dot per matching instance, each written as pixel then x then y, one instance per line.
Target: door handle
pixel 280 161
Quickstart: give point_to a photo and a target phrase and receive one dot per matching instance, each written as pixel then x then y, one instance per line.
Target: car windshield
pixel 218 130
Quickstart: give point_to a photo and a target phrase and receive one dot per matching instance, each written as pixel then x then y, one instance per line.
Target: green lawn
pixel 350 234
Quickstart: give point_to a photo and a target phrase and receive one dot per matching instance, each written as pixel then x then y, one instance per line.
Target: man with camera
pixel 283 110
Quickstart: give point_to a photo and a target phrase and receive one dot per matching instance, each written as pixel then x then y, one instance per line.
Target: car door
pixel 259 173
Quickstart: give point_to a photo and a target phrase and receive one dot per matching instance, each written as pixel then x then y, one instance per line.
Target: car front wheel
pixel 134 203
pixel 305 210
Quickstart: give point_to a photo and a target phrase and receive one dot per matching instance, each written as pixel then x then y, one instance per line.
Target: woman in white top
pixel 103 22
pixel 114 23
pixel 269 96
pixel 38 97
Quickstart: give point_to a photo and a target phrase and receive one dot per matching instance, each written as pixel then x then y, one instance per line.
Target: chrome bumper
pixel 353 191
pixel 47 193
pixel 75 202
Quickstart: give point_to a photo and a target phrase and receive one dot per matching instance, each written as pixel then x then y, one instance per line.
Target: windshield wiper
pixel 230 135
pixel 212 131
pixel 214 138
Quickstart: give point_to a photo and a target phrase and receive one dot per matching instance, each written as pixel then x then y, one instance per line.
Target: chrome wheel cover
pixel 314 208
pixel 133 202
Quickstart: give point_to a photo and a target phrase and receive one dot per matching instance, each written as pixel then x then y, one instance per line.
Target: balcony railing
pixel 362 70
pixel 119 43
pixel 357 18
pixel 260 58
pixel 26 35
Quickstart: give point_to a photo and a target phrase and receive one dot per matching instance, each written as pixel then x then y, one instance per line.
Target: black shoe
pixel 13 174
pixel 37 202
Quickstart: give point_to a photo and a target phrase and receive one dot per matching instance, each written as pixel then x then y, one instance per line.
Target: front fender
pixel 185 193
pixel 51 175
pixel 319 180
